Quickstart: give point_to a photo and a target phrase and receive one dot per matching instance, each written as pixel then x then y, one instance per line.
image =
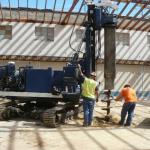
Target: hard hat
pixel 93 74
pixel 127 85
pixel 11 62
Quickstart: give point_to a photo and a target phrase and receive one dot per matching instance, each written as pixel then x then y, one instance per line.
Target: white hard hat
pixel 93 74
pixel 11 62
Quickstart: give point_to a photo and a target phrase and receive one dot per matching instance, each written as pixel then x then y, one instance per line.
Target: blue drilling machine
pixel 53 95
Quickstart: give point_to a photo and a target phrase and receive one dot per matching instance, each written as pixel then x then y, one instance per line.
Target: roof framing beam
pixel 147 28
pixel 18 10
pixel 34 21
pixel 10 8
pixel 27 8
pixel 77 13
pixel 127 15
pixel 123 9
pixel 36 9
pixel 45 9
pixel 141 26
pixel 134 1
pixel 62 11
pixel 53 10
pixel 134 17
pixel 69 12
pixel 84 19
pixel 114 9
pixel 140 19
pixel 1 11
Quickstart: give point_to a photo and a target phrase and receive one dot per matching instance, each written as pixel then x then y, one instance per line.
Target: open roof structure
pixel 131 14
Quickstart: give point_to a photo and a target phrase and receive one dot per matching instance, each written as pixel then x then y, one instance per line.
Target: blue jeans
pixel 127 108
pixel 88 107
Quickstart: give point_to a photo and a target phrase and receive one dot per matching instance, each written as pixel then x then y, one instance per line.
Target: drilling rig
pixel 51 95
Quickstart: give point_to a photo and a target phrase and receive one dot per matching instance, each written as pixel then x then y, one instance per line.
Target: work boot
pixel 120 123
pixel 90 124
pixel 127 125
pixel 85 125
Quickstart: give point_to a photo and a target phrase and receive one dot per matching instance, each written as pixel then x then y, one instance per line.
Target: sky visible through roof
pixel 40 4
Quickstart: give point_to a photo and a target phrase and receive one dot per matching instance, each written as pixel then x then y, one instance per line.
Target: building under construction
pixel 41 44
pixel 47 34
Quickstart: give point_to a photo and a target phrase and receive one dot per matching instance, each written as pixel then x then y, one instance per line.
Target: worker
pixel 89 93
pixel 130 99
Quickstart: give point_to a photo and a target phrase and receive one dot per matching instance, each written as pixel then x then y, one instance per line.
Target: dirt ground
pixel 30 135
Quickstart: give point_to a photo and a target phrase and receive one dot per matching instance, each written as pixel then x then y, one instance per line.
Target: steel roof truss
pixel 126 5
pixel 36 9
pixel 140 19
pixel 69 12
pixel 134 1
pixel 78 12
pixel 62 11
pixel 18 10
pixel 1 11
pixel 127 15
pixel 45 9
pixel 10 9
pixel 134 17
pixel 53 10
pixel 27 8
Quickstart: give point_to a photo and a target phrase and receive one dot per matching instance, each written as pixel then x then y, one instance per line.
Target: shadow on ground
pixel 144 124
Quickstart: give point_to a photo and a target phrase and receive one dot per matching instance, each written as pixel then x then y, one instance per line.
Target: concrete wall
pixel 137 50
pixel 136 75
pixel 23 43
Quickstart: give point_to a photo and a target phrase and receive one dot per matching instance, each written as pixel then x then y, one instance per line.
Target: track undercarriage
pixel 50 112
